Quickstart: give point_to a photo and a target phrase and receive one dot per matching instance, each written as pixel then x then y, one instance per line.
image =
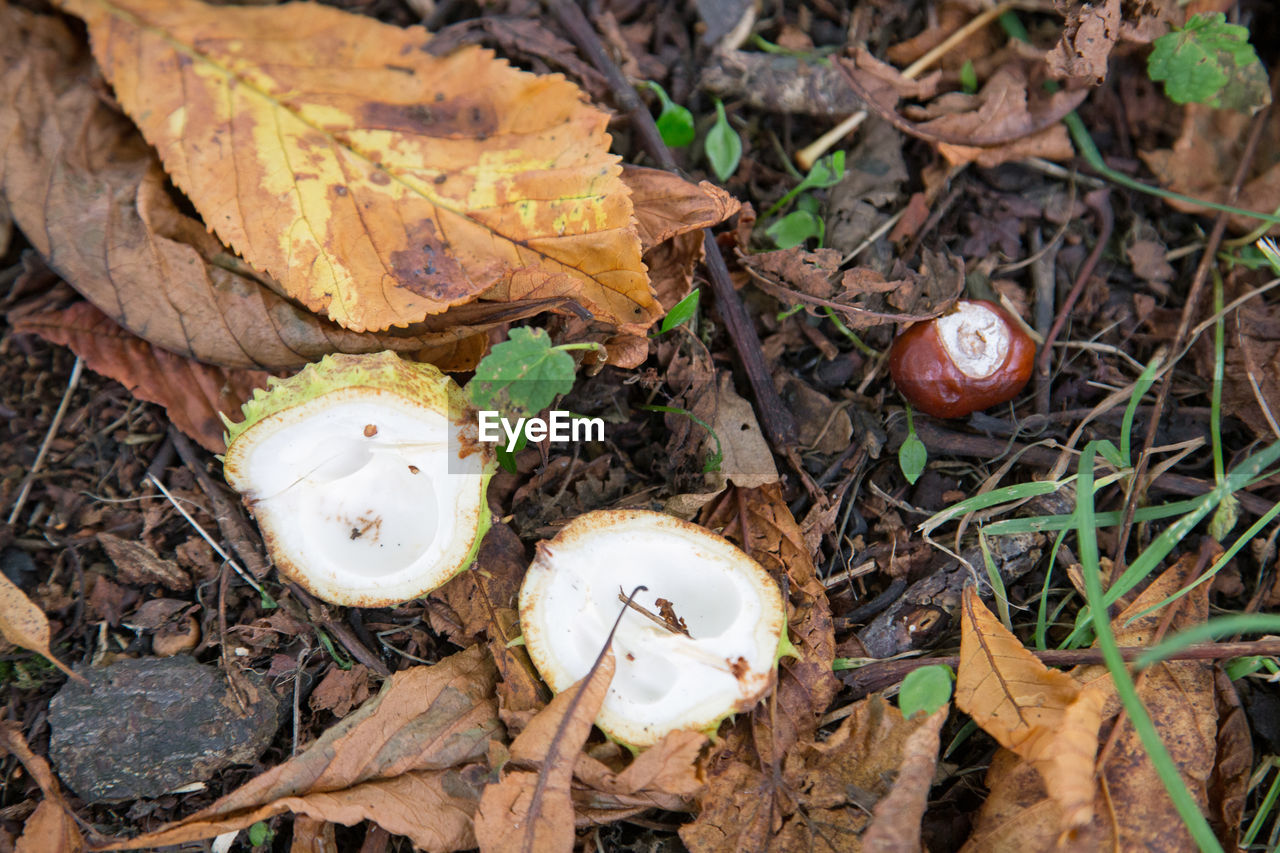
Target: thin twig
pixel 48 439
pixel 881 674
pixel 775 419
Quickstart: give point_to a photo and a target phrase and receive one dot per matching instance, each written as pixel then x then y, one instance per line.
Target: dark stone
pixel 148 726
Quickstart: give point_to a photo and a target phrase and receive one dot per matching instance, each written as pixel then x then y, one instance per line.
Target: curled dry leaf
pixel 1093 29
pixel 411 759
pixel 895 821
pixel 377 183
pixel 531 809
pixel 862 297
pixel 665 776
pixel 1003 122
pixel 91 197
pixel 667 205
pixel 1042 714
pixel 51 828
pixel 24 624
pixel 1130 805
pixel 193 394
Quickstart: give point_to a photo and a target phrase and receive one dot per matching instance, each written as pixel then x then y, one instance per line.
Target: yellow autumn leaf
pixel 25 625
pixel 377 183
pixel 1042 714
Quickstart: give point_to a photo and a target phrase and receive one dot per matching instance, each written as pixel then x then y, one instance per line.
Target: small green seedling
pixel 723 146
pixel 1211 62
pixel 912 455
pixel 827 172
pixel 925 689
pixel 680 313
pixel 795 228
pixel 675 123
pixel 260 834
pixel 525 373
pixel 968 77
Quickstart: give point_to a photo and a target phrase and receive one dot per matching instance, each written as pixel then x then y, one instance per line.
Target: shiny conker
pixel 973 357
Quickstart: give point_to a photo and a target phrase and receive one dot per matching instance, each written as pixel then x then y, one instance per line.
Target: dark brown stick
pixel 775 419
pixel 1189 312
pixel 943 442
pixel 882 674
pixel 1100 201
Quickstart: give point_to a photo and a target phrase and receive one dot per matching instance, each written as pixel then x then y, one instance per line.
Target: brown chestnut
pixel 974 356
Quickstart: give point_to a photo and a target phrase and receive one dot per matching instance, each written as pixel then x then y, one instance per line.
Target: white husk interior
pixel 348 508
pixel 976 338
pixel 664 681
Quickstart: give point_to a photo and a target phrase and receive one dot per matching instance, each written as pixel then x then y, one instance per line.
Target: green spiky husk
pixel 384 371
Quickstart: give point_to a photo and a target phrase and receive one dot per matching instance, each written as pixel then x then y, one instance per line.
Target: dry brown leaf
pixel 137 564
pixel 1042 714
pixel 411 759
pixel 667 205
pixel 341 690
pixel 1202 162
pixel 312 836
pixel 1091 31
pixel 1131 809
pixel 51 828
pixel 24 624
pixel 895 821
pixel 1002 122
pixel 818 800
pixel 91 197
pixel 863 297
pixel 746 459
pixel 378 183
pixel 531 810
pixel 192 394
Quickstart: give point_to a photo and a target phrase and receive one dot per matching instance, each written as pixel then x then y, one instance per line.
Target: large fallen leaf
pixel 193 394
pixel 1042 714
pixel 24 624
pixel 51 828
pixel 412 759
pixel 1131 808
pixel 91 197
pixel 377 183
pixel 531 809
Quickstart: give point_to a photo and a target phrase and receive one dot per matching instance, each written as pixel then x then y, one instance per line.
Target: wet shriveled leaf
pixel 1044 715
pixel 531 809
pixel 51 828
pixel 411 759
pixel 91 197
pixel 378 183
pixel 193 394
